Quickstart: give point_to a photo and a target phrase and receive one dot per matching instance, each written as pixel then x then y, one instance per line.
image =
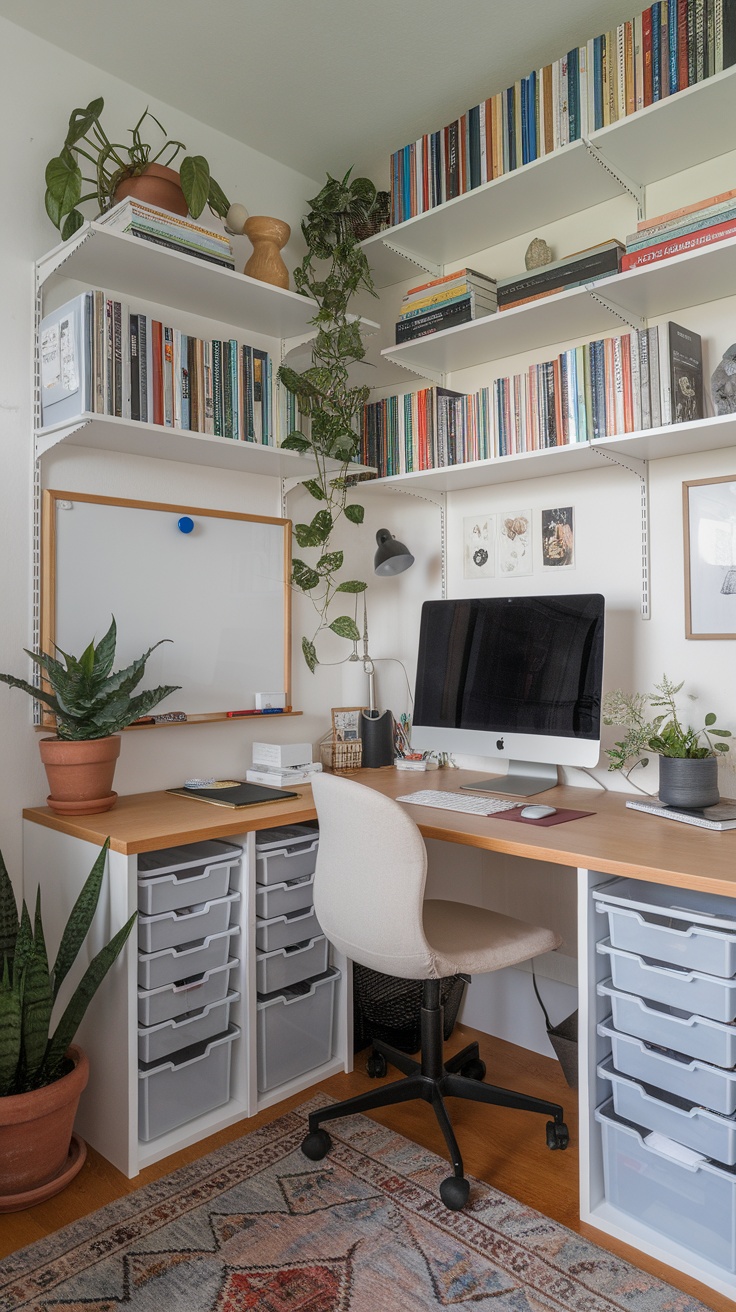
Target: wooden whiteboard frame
pixel 50 497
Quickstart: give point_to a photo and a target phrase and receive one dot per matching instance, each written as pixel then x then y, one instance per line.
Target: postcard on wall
pixel 515 543
pixel 479 546
pixel 709 506
pixel 558 537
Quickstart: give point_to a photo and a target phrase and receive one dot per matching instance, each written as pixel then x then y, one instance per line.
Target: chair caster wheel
pixel 474 1069
pixel 316 1145
pixel 376 1065
pixel 454 1192
pixel 558 1135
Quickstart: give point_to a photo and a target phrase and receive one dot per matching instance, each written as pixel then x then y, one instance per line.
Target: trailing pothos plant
pixel 332 272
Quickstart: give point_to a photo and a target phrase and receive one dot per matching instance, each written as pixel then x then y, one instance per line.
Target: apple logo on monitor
pixel 499 744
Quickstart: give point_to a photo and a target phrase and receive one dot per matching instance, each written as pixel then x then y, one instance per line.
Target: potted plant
pixel 131 169
pixel 688 768
pixel 333 271
pixel 91 705
pixel 42 1075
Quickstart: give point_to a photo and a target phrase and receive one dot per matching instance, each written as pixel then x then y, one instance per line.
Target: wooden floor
pixel 504 1147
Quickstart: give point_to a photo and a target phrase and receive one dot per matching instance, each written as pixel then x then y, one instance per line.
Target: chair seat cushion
pixel 469 940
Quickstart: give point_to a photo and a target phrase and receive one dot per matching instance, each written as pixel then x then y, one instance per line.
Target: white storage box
pixel 170 928
pixel 688 990
pixel 698 933
pixel 286 966
pixel 157 1041
pixel 692 1202
pixel 283 931
pixel 167 883
pixel 171 1093
pixel 280 899
pixel 694 1036
pixel 281 755
pixel 295 1030
pixel 705 1132
pixel 283 855
pixel 696 1081
pixel 155 1005
pixel 172 965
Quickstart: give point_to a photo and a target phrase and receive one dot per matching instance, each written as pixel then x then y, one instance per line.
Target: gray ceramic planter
pixel 688 783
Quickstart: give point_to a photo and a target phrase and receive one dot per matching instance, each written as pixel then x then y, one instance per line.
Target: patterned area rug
pixel 254 1225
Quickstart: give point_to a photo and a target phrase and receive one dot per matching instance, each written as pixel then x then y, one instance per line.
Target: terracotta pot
pixel 36 1137
pixel 80 774
pixel 157 185
pixel 267 237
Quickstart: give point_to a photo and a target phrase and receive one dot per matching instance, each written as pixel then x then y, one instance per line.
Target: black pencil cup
pixel 377 733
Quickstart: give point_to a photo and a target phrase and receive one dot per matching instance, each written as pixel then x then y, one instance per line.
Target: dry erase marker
pixel 235 715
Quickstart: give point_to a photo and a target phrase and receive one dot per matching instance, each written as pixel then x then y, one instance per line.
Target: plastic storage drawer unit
pixel 172 1092
pixel 695 1081
pixel 671 1189
pixel 283 855
pixel 171 928
pixel 155 1005
pixel 295 1030
pixel 693 1036
pixel 172 964
pixel 688 990
pixel 286 966
pixel 281 899
pixel 699 933
pixel 284 931
pixel 185 876
pixel 695 1127
pixel 157 1041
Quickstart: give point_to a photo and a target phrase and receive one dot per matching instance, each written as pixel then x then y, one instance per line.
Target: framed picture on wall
pixel 709 529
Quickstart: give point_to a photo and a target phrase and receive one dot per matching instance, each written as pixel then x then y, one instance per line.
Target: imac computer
pixel 512 677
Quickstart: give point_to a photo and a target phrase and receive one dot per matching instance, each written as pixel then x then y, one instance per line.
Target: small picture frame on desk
pixel 346 723
pixel 709 531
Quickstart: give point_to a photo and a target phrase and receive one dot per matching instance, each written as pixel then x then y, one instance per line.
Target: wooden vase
pixel 158 186
pixel 267 236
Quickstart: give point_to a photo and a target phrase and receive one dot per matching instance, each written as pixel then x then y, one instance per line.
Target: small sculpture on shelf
pixel 538 253
pixel 723 383
pixel 267 237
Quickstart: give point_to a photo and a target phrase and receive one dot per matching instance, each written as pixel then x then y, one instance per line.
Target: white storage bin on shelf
pixel 185 876
pixel 281 899
pixel 285 854
pixel 671 1189
pixel 170 1093
pixel 697 1081
pixel 286 966
pixel 157 1041
pixel 705 1132
pixel 688 990
pixel 693 1036
pixel 170 965
pixel 295 1030
pixel 170 928
pixel 698 933
pixel 283 931
pixel 155 1005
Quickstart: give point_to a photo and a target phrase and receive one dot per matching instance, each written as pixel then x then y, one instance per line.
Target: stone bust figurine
pixel 723 384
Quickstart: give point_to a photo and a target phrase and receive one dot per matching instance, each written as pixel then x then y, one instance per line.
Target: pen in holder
pixel 377 733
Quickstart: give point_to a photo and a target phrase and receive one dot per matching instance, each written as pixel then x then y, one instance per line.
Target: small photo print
pixel 515 543
pixel 558 538
pixel 346 723
pixel 479 547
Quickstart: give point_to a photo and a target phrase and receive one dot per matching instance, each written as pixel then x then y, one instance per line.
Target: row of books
pixel 98 355
pixel 671 45
pixel 689 228
pixel 624 384
pixel 456 298
pixel 169 230
pixel 601 261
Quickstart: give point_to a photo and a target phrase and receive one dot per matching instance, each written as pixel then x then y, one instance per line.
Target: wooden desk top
pixel 613 840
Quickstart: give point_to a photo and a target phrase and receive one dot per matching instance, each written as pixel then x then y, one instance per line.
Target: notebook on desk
pixel 234 794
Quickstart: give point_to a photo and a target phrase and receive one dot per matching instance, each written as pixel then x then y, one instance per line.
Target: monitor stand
pixel 524 779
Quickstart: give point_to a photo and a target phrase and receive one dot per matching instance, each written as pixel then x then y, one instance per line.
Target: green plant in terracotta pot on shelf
pixel 688 758
pixel 42 1073
pixel 91 704
pixel 133 168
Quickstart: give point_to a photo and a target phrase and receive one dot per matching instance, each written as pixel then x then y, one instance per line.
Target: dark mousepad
pixel 559 818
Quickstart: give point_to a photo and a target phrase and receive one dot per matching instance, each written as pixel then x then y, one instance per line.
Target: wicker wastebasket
pixel 388 1008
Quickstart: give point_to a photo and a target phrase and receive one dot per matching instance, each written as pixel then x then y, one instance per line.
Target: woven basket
pixel 341 757
pixel 377 221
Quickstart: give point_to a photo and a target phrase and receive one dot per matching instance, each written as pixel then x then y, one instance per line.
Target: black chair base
pixel 433 1080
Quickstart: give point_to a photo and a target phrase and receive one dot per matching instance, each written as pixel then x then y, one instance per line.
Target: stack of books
pixel 671 45
pixel 686 229
pixel 445 302
pixel 425 430
pixel 576 270
pixel 169 230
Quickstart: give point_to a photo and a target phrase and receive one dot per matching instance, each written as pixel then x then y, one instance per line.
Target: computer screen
pixel 516 677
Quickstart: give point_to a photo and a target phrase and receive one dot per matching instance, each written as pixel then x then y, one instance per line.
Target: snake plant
pixel 31 1056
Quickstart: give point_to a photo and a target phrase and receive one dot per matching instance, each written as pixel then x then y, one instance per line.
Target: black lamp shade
pixel 392 557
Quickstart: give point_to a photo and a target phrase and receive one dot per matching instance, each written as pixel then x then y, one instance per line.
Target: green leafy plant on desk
pixel 663 734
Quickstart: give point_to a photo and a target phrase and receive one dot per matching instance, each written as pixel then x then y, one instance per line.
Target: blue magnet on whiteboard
pixel 185 524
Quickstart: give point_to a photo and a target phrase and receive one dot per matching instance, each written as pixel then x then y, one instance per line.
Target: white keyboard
pixel 470 803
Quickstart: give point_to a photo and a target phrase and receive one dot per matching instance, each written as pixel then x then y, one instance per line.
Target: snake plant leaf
pixel 330 563
pixel 194 176
pixel 309 652
pixel 351 585
pixel 217 200
pixel 344 627
pixel 37 1003
pixel 39 693
pixel 81 120
pixel 10 1033
pixel 9 923
pixel 23 947
pixel 80 1000
pixel 121 712
pixel 105 651
pixel 80 919
pixel 355 514
pixel 64 183
pixel 303 576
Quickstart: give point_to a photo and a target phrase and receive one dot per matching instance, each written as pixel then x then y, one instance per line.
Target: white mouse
pixel 537 812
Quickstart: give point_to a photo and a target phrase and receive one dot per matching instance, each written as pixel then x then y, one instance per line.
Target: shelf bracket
pixel 47 441
pixel 640 469
pixel 624 315
pixel 634 189
pixel 60 254
pixel 429 266
pixel 432 375
pixel 441 503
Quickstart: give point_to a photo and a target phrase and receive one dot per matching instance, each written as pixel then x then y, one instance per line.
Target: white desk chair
pixel 369 898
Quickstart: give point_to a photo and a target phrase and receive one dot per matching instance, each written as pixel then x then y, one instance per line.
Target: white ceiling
pixel 320 84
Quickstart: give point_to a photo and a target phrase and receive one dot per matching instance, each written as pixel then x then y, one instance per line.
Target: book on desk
pixel 234 793
pixel 720 817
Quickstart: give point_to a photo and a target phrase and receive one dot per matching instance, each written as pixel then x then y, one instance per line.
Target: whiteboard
pixel 220 592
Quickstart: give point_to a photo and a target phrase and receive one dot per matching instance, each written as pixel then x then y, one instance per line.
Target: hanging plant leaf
pixel 295 442
pixel 73 221
pixel 194 175
pixel 322 525
pixel 355 514
pixel 81 120
pixel 330 563
pixel 304 576
pixel 217 200
pixel 314 489
pixel 64 183
pixel 344 627
pixel 352 585
pixel 310 654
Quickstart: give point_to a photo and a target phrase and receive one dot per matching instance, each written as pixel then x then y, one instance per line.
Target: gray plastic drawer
pixel 283 931
pixel 155 1005
pixel 184 888
pixel 283 864
pixel 158 1041
pixel 170 965
pixel 696 1081
pixel 705 1132
pixel 295 1030
pixel 172 1092
pixel 688 990
pixel 285 966
pixel 280 899
pixel 699 933
pixel 170 928
pixel 694 1036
